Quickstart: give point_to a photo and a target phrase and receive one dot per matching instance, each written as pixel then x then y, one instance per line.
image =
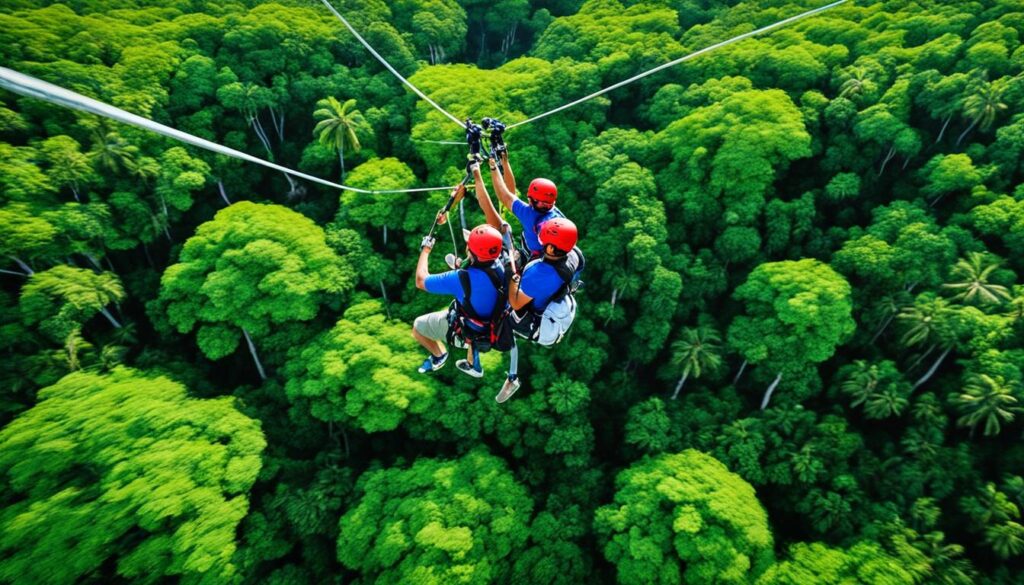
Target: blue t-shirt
pixel 540 281
pixel 484 295
pixel 532 220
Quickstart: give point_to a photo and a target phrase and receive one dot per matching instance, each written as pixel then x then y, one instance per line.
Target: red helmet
pixel 485 243
pixel 560 233
pixel 542 190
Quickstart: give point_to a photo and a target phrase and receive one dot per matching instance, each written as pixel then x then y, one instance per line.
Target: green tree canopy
pixel 797 314
pixel 458 521
pixel 250 269
pixel 684 518
pixel 124 468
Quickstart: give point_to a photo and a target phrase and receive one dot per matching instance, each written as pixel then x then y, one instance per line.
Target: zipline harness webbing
pixel 680 60
pixel 30 86
pixel 384 62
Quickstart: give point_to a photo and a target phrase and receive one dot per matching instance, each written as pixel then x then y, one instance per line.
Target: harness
pixel 526 321
pixel 482 332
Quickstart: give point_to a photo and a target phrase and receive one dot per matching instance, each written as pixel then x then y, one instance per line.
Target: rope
pixel 388 65
pixel 680 60
pixel 30 86
pixel 451 230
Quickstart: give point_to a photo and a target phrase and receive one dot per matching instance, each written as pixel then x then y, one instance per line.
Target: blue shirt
pixel 484 296
pixel 540 281
pixel 532 220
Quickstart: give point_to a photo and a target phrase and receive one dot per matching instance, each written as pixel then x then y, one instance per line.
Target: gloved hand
pixel 474 163
pixel 473 133
pixel 427 243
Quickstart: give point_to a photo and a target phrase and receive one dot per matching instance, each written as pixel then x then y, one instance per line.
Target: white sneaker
pixel 474 370
pixel 507 389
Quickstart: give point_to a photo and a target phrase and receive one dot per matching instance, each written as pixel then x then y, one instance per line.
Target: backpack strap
pixel 467 290
pixel 567 268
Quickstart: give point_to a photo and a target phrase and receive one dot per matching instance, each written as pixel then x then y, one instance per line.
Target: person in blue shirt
pixel 485 276
pixel 541 279
pixel 541 194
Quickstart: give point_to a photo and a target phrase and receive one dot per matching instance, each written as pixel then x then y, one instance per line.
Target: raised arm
pixel 505 195
pixel 484 199
pixel 510 178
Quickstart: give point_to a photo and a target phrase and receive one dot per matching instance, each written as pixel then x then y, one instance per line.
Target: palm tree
pixel 1006 539
pixel 339 126
pixel 986 399
pixel 698 350
pixel 972 274
pixel 112 153
pixel 857 80
pixel 861 382
pixel 927 322
pixel 888 402
pixel 983 106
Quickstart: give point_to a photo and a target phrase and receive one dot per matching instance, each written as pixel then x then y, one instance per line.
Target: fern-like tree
pixel 982 106
pixel 339 126
pixel 699 350
pixel 987 400
pixel 971 282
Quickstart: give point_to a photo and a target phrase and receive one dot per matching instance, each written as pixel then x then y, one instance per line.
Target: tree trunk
pixel 385 229
pixel 769 391
pixel 28 270
pixel 615 296
pixel 223 193
pixel 679 386
pixel 384 293
pixel 931 371
pixel 149 258
pixel 74 191
pixel 944 126
pixel 255 358
pixel 113 321
pixel 888 320
pixel 341 159
pixel 276 125
pixel 92 260
pixel 258 128
pixel 969 128
pixel 743 366
pixel 888 157
pixel 921 357
pixel 291 184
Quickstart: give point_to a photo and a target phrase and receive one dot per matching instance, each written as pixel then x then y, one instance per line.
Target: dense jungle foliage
pixel 799 352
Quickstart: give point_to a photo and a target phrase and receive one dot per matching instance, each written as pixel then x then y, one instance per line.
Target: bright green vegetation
pixel 799 356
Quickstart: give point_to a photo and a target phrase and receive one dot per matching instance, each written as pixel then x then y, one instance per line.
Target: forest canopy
pixel 798 355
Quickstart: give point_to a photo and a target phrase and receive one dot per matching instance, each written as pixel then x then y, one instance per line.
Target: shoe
pixel 432 363
pixel 476 370
pixel 452 261
pixel 508 389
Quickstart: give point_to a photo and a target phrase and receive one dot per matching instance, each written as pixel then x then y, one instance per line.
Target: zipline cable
pixel 680 60
pixel 385 63
pixel 32 87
